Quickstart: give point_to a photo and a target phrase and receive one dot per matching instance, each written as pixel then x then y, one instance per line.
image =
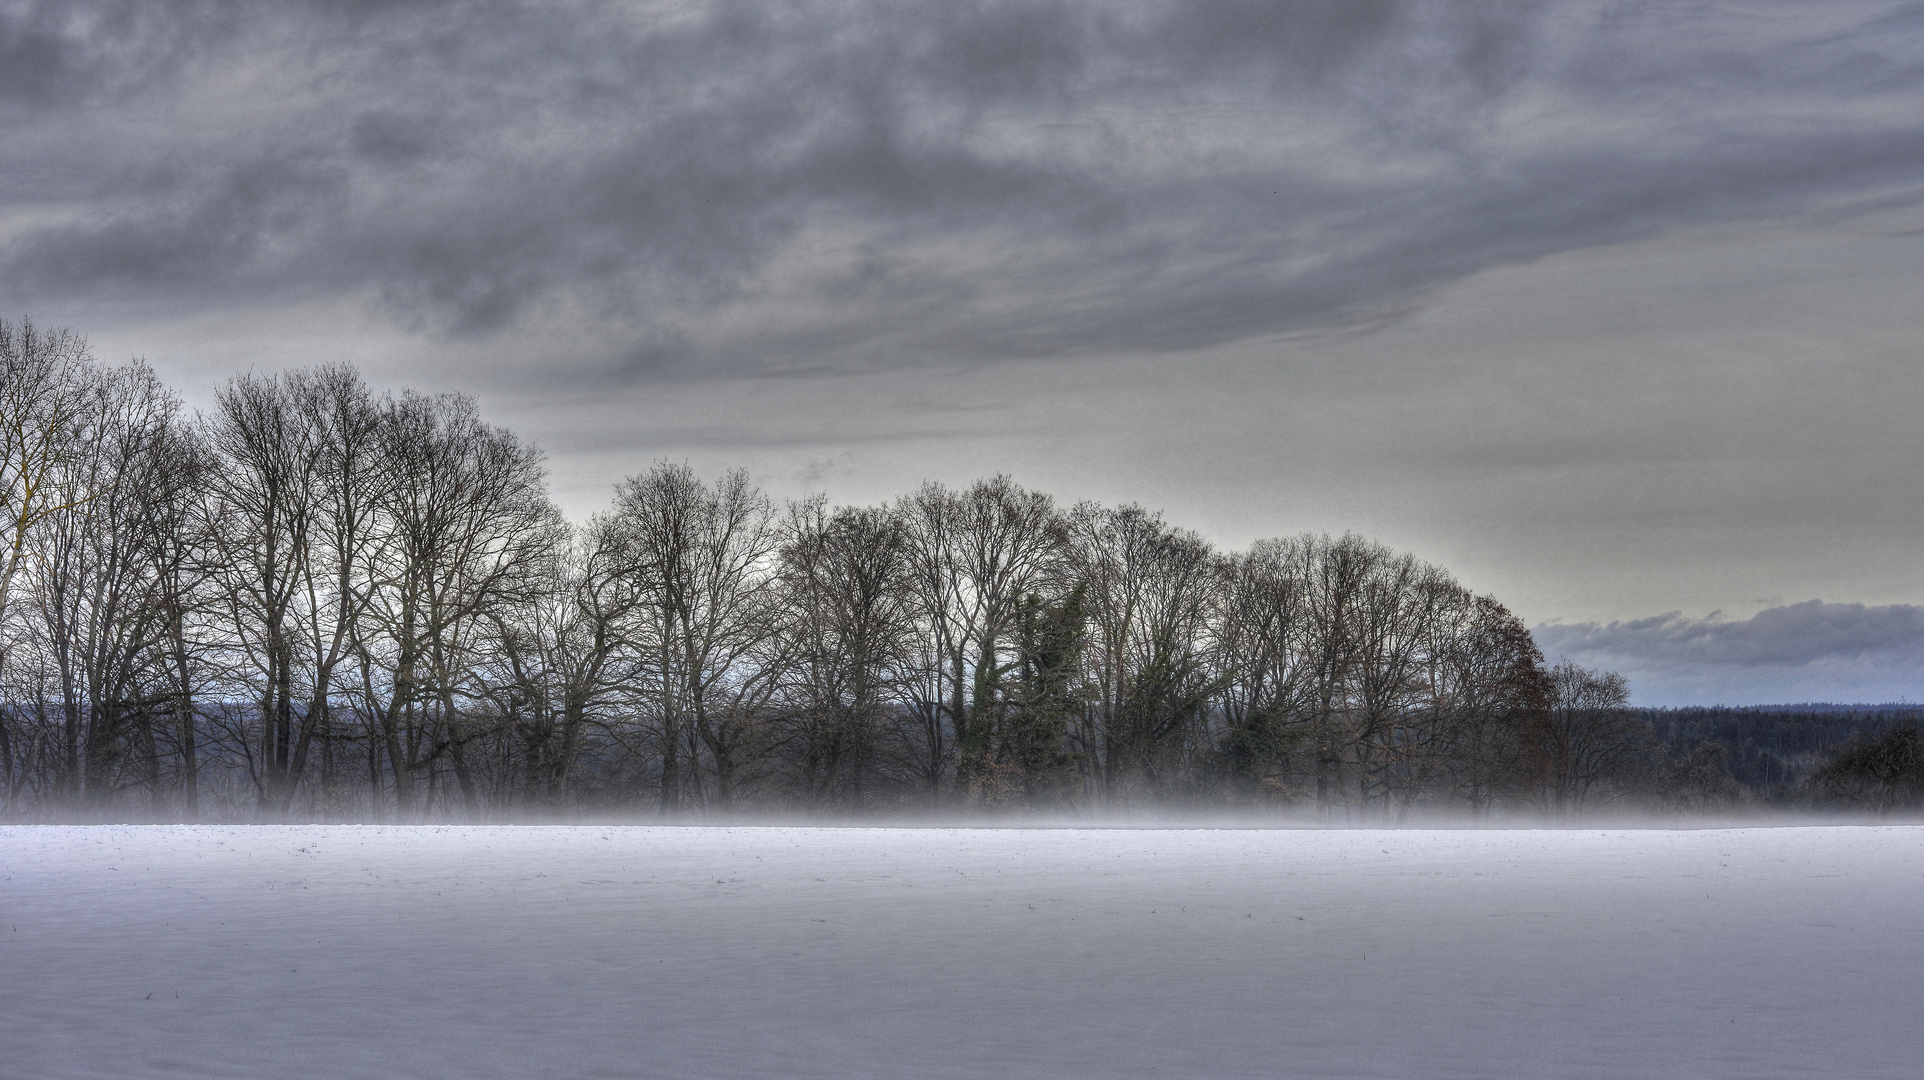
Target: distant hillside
pixel 1773 749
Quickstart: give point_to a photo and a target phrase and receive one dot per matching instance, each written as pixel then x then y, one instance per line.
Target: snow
pixel 348 951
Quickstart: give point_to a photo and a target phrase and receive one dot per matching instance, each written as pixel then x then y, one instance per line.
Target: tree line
pixel 1784 755
pixel 320 601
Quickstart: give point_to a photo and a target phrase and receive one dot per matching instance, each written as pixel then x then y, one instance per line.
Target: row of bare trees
pixel 316 600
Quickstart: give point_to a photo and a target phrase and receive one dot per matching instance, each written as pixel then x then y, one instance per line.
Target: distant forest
pixel 319 602
pixel 1804 755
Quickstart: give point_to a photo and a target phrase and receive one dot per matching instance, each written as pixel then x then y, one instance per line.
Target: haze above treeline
pixel 316 600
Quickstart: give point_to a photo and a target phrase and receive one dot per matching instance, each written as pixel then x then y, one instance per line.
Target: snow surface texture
pixel 331 951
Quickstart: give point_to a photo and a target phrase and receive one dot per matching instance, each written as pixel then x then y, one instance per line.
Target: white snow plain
pixel 348 951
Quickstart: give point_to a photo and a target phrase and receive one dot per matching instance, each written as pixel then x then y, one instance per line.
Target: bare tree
pixel 1260 624
pixel 937 687
pixel 96 590
pixel 1491 690
pixel 1149 590
pixel 338 548
pixel 848 624
pixel 43 376
pixel 1394 733
pixel 708 555
pixel 191 641
pixel 43 396
pixel 1333 575
pixel 264 508
pixel 472 533
pixel 1589 737
pixel 566 661
pixel 1005 544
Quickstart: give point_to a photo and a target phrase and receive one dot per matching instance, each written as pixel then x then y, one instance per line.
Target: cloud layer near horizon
pixel 1811 651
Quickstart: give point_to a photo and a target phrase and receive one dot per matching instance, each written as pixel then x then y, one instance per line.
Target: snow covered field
pixel 339 951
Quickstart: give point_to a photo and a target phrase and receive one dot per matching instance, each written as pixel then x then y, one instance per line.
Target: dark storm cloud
pixel 1005 179
pixel 61 55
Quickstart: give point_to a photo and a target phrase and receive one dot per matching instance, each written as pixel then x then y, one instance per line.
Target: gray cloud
pixel 1806 633
pixel 986 179
pixel 1606 304
pixel 56 56
pixel 1812 651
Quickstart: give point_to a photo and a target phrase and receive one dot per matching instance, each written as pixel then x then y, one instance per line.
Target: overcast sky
pixel 1611 308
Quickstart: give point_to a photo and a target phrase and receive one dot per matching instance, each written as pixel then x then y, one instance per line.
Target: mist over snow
pixel 334 952
pixel 1813 651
